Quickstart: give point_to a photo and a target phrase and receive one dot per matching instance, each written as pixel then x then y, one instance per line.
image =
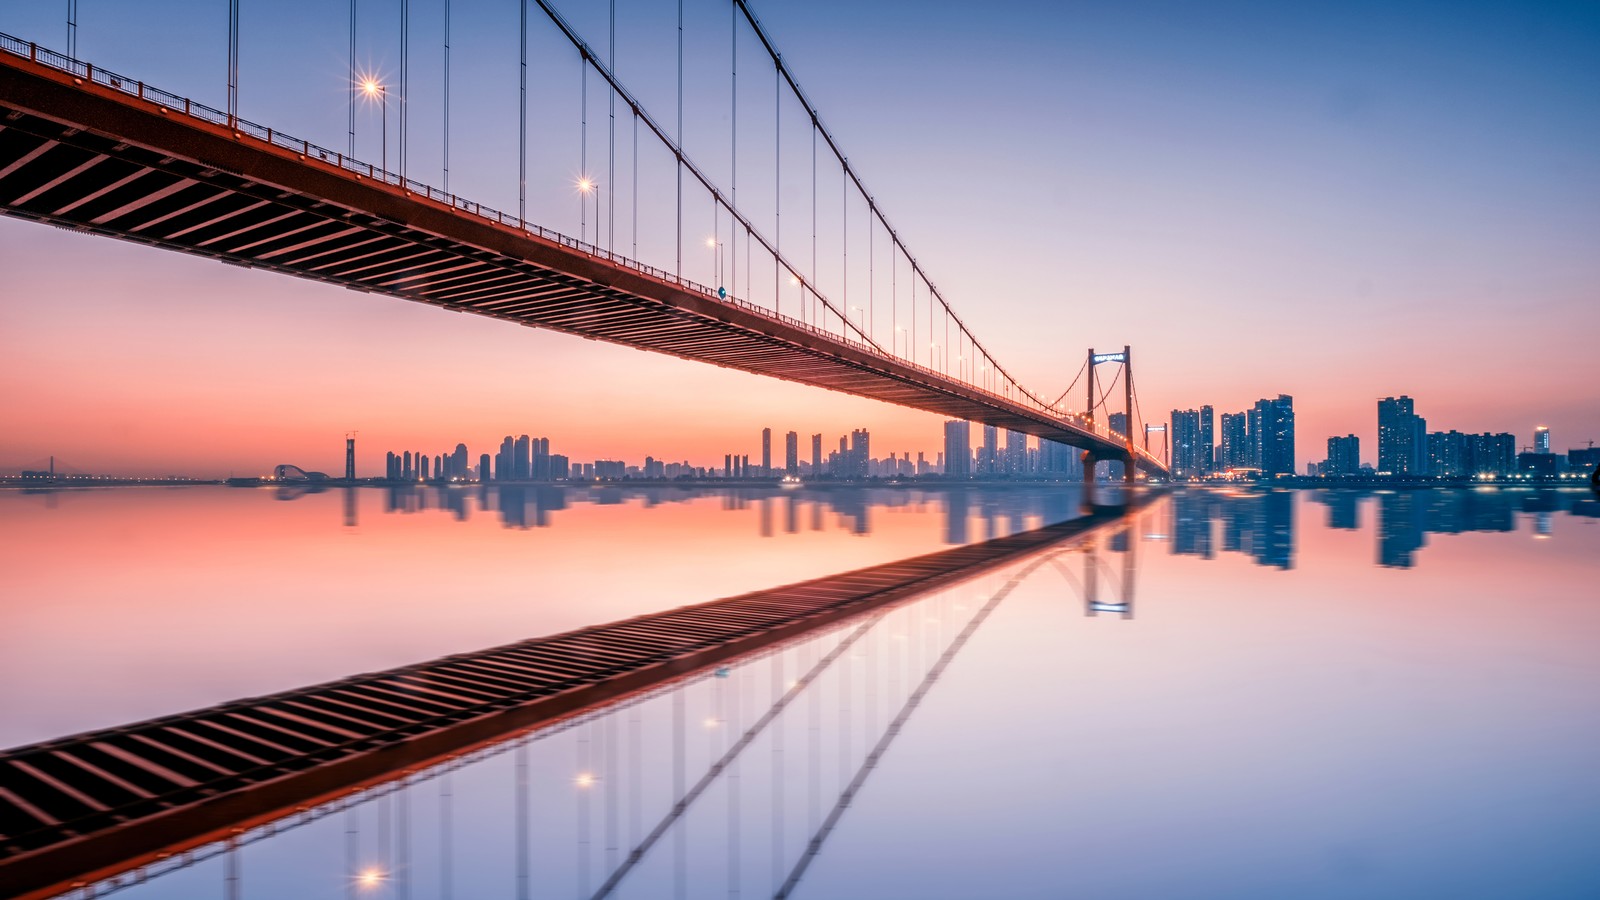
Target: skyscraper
pixel 958 449
pixel 989 453
pixel 791 453
pixel 1275 435
pixel 816 455
pixel 860 452
pixel 520 458
pixel 1447 454
pixel 766 451
pixel 1186 443
pixel 350 456
pixel 1235 442
pixel 1016 453
pixel 1402 437
pixel 1206 461
pixel 1541 439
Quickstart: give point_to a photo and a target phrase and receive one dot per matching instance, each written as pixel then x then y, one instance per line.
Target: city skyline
pixel 1424 307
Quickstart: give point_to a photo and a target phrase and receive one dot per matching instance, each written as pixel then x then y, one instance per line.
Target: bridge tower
pixel 1127 455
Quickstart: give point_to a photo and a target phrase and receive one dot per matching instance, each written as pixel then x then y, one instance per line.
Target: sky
pixel 1339 202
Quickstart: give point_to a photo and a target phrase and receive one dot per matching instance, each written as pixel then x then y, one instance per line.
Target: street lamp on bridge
pixel 715 246
pixel 587 186
pixel 373 90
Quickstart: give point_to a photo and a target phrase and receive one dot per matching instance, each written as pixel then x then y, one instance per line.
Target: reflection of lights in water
pixel 369 878
pixel 584 779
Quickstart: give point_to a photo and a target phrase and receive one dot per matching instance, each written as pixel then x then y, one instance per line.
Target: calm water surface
pixel 1292 694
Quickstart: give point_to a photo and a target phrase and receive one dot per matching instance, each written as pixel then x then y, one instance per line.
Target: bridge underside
pixel 92 158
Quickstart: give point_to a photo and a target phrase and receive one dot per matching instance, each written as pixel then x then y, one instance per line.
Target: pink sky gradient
pixel 1327 209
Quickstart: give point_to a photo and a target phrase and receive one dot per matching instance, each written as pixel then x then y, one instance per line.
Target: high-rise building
pixel 766 451
pixel 520 457
pixel 405 469
pixel 1235 442
pixel 1493 454
pixel 860 452
pixel 1448 454
pixel 350 457
pixel 502 465
pixel 1402 438
pixel 1344 456
pixel 816 455
pixel 1541 439
pixel 1016 453
pixel 542 468
pixel 1186 443
pixel 1207 437
pixel 989 453
pixel 1252 437
pixel 1275 435
pixel 791 453
pixel 958 449
pixel 484 472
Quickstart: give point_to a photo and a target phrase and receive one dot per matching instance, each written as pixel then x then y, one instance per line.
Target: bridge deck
pixel 87 806
pixel 103 155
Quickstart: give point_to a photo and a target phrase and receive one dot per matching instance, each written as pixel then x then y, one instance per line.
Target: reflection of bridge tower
pixel 1121 542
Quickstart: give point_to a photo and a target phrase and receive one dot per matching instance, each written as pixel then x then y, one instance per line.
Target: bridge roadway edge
pixel 52 95
pixel 80 859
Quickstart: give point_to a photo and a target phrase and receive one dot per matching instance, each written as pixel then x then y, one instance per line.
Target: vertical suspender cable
pixel 636 182
pixel 522 128
pixel 678 153
pixel 233 63
pixel 813 213
pixel 777 183
pixel 583 150
pixel 352 86
pixel 405 70
pixel 611 144
pixel 72 28
pixel 447 96
pixel 733 233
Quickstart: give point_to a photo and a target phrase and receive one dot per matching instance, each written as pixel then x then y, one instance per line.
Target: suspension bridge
pixel 96 151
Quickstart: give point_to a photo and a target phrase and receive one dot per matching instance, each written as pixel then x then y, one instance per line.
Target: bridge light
pixel 369 878
pixel 711 243
pixel 370 87
pixel 585 185
pixel 584 780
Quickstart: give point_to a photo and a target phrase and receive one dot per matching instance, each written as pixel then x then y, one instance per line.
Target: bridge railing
pixel 1012 393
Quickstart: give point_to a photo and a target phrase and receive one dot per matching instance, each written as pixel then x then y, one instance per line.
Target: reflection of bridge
pixel 89 150
pixel 87 806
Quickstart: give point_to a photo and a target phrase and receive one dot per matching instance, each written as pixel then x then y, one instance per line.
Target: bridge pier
pixel 1091 491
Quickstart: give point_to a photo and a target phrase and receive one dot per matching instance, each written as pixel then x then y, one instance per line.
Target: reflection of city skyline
pixel 1260 525
pixel 970 514
pixel 1406 518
